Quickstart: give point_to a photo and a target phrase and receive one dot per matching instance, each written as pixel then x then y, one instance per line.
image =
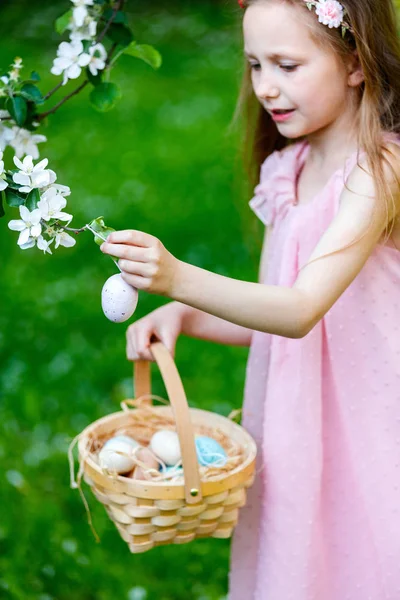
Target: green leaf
pixel 145 52
pixel 32 92
pixel 104 96
pixel 120 16
pixel 32 199
pixel 120 34
pixel 14 198
pixel 94 79
pixel 63 22
pixel 2 198
pixel 17 107
pixel 99 226
pixel 35 76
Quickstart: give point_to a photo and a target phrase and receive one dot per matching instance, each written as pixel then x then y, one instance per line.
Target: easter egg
pixel 210 452
pixel 116 454
pixel 174 470
pixel 165 445
pixel 118 299
pixel 147 458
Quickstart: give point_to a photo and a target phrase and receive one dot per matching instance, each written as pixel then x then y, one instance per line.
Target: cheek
pixel 319 91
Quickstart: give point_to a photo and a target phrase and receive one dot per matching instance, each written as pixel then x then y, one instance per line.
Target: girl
pixel 322 392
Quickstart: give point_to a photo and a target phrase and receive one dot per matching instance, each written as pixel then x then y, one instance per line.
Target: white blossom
pixel 51 204
pixel 6 136
pixel 29 227
pixel 43 244
pixel 3 183
pixel 86 32
pixel 80 12
pixel 32 176
pixel 64 239
pixel 14 75
pixel 64 190
pixel 25 142
pixel 70 60
pixel 17 64
pixel 98 57
pixel 5 79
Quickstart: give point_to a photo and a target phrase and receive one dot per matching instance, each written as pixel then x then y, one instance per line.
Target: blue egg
pixel 168 469
pixel 210 452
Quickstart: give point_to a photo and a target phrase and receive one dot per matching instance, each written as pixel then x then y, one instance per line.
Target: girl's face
pixel 290 71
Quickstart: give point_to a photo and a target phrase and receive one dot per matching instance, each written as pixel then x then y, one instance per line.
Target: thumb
pixel 168 338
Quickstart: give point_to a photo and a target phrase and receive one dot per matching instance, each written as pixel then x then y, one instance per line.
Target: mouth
pixel 281 114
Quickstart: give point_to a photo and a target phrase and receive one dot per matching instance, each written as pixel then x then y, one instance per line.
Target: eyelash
pixel 287 68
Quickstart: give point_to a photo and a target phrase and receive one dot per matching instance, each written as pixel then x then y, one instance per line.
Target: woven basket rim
pixel 250 444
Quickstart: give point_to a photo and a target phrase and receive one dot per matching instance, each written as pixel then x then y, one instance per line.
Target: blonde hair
pixel 375 39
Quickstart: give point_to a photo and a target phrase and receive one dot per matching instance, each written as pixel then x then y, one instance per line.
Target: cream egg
pixel 165 444
pixel 117 454
pixel 118 299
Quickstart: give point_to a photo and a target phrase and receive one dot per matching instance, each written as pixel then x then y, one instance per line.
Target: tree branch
pixel 41 116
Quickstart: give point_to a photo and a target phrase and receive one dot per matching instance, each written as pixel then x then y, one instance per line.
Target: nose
pixel 265 87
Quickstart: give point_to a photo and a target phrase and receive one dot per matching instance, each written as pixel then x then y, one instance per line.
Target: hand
pixel 144 262
pixel 164 323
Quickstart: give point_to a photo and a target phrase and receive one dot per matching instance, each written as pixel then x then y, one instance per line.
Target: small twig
pixel 109 22
pixel 41 116
pixel 74 230
pixel 53 91
pixel 104 240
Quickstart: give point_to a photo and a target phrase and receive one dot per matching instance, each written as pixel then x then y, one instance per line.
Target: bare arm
pixel 201 325
pixel 293 312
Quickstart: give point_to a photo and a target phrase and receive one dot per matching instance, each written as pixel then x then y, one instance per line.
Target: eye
pixel 289 68
pixel 255 66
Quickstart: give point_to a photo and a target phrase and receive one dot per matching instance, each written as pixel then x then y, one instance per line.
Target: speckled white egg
pixel 118 299
pixel 116 454
pixel 165 445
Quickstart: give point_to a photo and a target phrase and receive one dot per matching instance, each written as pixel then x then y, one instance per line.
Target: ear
pixel 355 72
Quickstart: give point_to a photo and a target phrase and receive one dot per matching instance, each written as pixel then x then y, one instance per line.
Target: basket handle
pixel 180 409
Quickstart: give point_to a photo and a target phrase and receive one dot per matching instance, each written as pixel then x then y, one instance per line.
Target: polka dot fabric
pixel 322 521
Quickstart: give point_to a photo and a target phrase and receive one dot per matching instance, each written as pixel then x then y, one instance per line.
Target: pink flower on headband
pixel 241 3
pixel 329 12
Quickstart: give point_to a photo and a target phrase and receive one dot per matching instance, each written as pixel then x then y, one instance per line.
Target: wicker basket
pixel 149 514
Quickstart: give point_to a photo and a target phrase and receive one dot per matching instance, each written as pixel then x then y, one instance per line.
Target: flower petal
pixel 18 163
pixel 24 237
pixel 62 216
pixel 41 165
pixel 29 244
pixel 16 225
pixel 21 178
pixel 24 212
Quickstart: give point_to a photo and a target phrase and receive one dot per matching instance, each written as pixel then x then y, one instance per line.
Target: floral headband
pixel 329 12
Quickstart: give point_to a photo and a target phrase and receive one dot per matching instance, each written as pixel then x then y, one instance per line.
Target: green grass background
pixel 162 162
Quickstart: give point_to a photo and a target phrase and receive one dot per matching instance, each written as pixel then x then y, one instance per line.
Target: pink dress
pixel 322 521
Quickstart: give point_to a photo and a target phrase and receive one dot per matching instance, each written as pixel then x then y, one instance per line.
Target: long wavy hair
pixel 374 37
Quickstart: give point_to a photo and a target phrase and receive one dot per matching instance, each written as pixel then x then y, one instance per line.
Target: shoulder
pixel 361 189
pixel 279 160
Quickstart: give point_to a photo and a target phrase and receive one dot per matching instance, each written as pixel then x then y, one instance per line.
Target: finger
pixel 132 236
pixel 168 338
pixel 136 268
pixel 143 343
pixel 131 344
pixel 125 251
pixel 140 283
